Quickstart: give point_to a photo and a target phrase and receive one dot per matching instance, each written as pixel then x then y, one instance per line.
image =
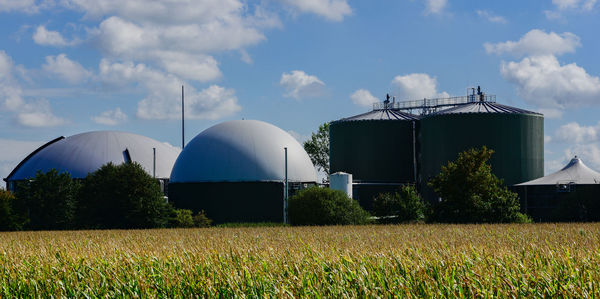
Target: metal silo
pixel 515 135
pixel 377 148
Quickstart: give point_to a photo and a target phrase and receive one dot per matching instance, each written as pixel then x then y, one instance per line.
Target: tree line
pixel 113 197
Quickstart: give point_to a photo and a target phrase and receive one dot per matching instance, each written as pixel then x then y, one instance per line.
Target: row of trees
pixel 115 196
pixel 469 193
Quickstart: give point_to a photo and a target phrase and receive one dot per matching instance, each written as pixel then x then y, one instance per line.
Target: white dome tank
pixel 84 153
pixel 242 151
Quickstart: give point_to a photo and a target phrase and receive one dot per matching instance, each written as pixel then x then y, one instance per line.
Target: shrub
pixel 324 206
pixel 122 196
pixel 50 200
pixel 6 214
pixel 200 220
pixel 470 193
pixel 181 218
pixel 403 206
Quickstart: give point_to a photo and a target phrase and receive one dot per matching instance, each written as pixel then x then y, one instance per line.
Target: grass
pixel 531 260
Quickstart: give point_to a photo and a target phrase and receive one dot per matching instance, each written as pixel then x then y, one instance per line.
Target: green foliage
pixel 324 206
pixel 318 148
pixel 122 196
pixel 470 193
pixel 200 220
pixel 403 206
pixel 6 215
pixel 181 218
pixel 252 224
pixel 50 199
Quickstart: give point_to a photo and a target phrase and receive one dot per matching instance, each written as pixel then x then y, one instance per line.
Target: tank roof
pixel 575 172
pixel 381 114
pixel 83 153
pixel 484 107
pixel 242 151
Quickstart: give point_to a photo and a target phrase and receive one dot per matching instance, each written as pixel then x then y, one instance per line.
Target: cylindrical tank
pixel 341 181
pixel 235 172
pixel 515 135
pixel 377 148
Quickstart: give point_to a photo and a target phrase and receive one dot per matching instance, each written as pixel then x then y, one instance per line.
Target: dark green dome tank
pixel 377 148
pixel 515 135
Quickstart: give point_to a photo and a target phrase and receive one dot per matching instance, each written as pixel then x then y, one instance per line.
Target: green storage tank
pixel 377 148
pixel 515 135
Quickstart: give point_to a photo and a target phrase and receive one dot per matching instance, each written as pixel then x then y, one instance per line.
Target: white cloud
pixel 29 113
pixel 66 69
pixel 38 114
pixel 537 42
pixel 491 17
pixel 195 67
pixel 363 97
pixel 435 6
pixel 299 84
pixel 417 86
pixel 163 99
pixel 27 6
pixel 245 57
pixel 580 140
pixel 13 151
pixel 574 133
pixel 562 6
pixel 45 37
pixel 333 10
pixel 178 36
pixel 110 117
pixel 542 81
pixel 584 5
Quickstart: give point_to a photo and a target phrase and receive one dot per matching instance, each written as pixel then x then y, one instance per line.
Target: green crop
pixel 527 260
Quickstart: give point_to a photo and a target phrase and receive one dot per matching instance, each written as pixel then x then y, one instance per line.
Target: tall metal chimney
pixel 182 120
pixel 285 195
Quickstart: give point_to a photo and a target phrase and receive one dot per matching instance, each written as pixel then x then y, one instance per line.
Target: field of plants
pixel 526 260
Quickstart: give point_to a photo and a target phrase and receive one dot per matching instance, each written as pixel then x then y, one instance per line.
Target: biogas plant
pixel 244 170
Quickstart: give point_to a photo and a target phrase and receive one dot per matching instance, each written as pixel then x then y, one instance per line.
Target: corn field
pixel 533 260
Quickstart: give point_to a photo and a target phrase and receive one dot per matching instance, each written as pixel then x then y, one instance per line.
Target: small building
pixel 235 172
pixel 84 153
pixel 570 194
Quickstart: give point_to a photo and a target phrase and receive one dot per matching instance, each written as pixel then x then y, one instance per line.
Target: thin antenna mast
pixel 182 120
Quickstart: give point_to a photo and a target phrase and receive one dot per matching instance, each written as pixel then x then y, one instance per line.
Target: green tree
pixel 122 196
pixel 181 218
pixel 318 148
pixel 6 211
pixel 470 193
pixel 200 220
pixel 324 206
pixel 50 200
pixel 404 206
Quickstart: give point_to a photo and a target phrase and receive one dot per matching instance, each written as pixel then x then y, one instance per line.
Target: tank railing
pixel 431 105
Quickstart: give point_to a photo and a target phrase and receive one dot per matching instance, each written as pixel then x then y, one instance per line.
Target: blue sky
pixel 70 66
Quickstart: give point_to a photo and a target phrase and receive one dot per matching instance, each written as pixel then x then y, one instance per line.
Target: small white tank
pixel 341 181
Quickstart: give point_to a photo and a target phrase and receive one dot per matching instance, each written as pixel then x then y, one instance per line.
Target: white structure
pixel 84 153
pixel 242 151
pixel 574 173
pixel 341 181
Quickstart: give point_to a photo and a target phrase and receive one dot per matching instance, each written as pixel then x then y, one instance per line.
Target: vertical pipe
pixel 285 196
pixel 414 151
pixel 154 162
pixel 182 120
